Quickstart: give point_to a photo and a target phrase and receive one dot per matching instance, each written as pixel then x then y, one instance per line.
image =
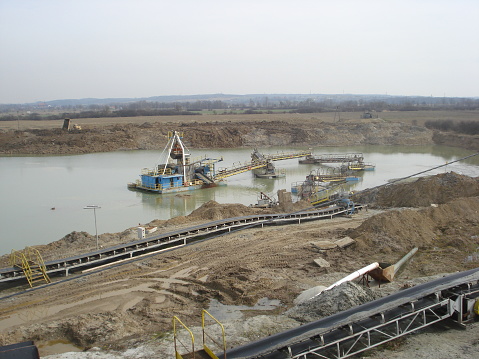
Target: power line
pixel 418 173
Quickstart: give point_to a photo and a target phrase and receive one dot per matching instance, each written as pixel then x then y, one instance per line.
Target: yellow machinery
pixel 31 262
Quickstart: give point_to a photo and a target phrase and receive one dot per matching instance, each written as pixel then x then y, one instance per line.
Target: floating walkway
pixel 333 158
pixel 258 161
pixel 175 239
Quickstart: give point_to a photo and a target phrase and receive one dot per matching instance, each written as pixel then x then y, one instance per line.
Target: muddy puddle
pixel 51 347
pixel 224 312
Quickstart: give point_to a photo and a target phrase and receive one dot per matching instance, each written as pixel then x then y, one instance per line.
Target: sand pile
pixel 423 192
pixel 401 230
pixel 337 299
pixel 209 211
pixel 213 211
pixel 85 329
pixel 75 243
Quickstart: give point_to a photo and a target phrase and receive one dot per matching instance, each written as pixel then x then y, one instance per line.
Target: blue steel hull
pixel 352 179
pixel 171 190
pixel 178 189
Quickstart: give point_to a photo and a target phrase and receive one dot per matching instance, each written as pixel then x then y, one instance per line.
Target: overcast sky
pixel 64 49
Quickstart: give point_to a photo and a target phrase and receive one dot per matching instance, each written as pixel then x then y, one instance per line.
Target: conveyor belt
pixel 350 332
pixel 259 161
pixel 174 239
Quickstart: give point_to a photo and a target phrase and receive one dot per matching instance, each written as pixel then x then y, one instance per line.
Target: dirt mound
pixel 452 225
pixel 211 134
pixel 423 192
pixel 77 242
pixel 213 210
pixel 75 238
pixel 81 242
pixel 395 230
pixel 471 142
pixel 85 329
pixel 209 211
pixel 329 302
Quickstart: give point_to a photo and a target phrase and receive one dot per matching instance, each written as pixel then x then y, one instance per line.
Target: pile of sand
pixel 213 211
pixel 75 243
pixel 450 224
pixel 207 212
pixel 329 302
pixel 423 192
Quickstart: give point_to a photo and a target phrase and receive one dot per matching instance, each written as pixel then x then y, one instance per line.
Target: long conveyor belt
pixel 169 240
pixel 363 327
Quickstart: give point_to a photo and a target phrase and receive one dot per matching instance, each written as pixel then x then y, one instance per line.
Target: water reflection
pixel 60 346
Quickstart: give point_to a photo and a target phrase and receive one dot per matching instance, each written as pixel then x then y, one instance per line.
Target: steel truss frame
pixel 360 338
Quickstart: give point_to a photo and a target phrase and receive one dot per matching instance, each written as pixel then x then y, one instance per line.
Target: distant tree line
pixel 466 127
pixel 257 105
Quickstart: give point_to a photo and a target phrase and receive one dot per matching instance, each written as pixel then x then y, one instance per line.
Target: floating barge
pixel 349 161
pixel 333 176
pixel 361 166
pixel 178 173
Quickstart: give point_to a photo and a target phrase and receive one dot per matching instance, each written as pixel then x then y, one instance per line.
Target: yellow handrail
pixel 34 253
pixel 245 167
pixel 286 156
pixel 24 260
pixel 18 259
pixel 175 337
pixel 205 347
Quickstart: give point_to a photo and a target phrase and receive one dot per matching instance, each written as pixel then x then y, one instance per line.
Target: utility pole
pixel 94 207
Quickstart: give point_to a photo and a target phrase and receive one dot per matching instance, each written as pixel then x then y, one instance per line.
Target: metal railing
pixel 337 158
pixel 287 156
pixel 221 345
pixel 31 262
pixel 240 168
pixel 178 341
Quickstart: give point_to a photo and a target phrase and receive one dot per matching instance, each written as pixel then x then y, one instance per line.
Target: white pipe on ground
pixel 352 276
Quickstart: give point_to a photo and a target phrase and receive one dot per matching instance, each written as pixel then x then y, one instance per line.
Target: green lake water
pixel 42 197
